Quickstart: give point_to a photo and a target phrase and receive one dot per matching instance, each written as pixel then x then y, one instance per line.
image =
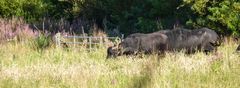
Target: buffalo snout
pixel 112 52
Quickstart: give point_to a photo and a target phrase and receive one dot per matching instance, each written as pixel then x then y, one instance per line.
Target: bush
pixel 41 42
pixel 34 10
pixel 15 29
pixel 131 16
pixel 222 16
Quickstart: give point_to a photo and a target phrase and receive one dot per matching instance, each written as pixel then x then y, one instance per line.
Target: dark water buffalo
pixel 144 43
pixel 140 43
pixel 203 39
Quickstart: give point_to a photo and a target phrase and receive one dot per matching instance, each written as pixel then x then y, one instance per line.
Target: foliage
pixel 128 16
pixel 131 16
pixel 15 29
pixel 22 8
pixel 220 15
pixel 41 42
pixel 33 10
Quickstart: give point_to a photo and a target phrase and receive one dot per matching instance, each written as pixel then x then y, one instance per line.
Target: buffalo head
pixel 112 52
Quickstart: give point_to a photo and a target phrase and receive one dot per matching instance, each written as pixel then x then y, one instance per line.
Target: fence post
pixel 74 41
pixel 90 42
pixel 122 37
pixel 58 39
pixel 101 40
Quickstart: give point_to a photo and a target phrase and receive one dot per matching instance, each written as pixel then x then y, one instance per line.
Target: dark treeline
pixel 130 16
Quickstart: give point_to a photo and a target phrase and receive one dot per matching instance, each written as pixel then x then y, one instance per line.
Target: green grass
pixel 23 66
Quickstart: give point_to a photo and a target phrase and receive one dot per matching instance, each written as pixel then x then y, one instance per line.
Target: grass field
pixel 21 66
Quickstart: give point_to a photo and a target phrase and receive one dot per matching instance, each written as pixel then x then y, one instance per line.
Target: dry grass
pixel 22 66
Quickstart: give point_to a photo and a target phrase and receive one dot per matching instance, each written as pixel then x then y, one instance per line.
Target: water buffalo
pixel 203 39
pixel 140 43
pixel 143 43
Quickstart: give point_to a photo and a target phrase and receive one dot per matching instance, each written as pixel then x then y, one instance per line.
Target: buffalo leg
pixel 208 48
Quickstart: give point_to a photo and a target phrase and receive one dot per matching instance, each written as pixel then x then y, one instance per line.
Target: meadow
pixel 29 59
pixel 21 65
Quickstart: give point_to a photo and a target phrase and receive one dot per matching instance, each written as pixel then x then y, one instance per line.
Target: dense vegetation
pixel 30 58
pixel 23 66
pixel 132 15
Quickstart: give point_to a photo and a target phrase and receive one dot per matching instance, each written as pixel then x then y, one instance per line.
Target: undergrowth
pixel 23 66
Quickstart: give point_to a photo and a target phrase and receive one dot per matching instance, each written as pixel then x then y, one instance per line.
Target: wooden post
pixel 90 42
pixel 74 41
pixel 43 24
pixel 101 40
pixel 122 37
pixel 58 39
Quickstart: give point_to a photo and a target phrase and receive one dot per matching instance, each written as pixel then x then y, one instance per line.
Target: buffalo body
pixel 203 39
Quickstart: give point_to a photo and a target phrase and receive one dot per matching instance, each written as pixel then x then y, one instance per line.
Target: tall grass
pixel 38 63
pixel 23 66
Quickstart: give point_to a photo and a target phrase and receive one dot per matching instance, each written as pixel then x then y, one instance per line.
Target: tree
pixel 222 16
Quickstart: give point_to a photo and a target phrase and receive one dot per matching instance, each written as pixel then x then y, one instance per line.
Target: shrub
pixel 15 29
pixel 41 42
